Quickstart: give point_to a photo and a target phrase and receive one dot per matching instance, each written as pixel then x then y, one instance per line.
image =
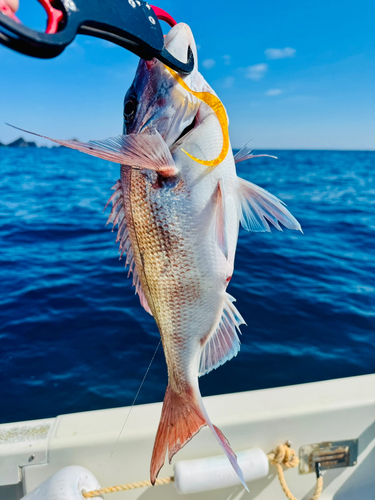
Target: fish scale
pixel 166 265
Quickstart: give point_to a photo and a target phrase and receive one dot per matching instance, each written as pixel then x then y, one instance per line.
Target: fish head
pixel 155 100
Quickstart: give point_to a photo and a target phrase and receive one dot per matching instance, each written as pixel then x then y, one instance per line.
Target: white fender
pixel 204 474
pixel 67 484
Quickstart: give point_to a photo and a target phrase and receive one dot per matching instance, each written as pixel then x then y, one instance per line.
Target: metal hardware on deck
pixel 328 454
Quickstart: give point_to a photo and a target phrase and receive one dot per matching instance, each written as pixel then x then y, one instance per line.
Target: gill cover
pixel 217 107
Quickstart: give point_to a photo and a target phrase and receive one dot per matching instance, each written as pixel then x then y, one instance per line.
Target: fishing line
pixel 130 409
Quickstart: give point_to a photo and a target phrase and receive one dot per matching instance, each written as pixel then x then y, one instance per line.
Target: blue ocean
pixel 73 336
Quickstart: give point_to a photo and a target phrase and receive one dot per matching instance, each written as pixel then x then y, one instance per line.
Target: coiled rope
pixel 283 455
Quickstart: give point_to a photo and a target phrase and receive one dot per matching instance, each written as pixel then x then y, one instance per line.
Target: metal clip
pixel 131 24
pixel 327 455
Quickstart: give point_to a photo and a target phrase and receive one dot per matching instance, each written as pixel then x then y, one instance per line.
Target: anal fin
pixel 224 344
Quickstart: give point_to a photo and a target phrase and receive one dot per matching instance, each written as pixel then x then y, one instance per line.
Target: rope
pixel 128 486
pixel 285 455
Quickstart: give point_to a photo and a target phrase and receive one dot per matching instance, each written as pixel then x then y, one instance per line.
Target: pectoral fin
pixel 143 151
pixel 259 208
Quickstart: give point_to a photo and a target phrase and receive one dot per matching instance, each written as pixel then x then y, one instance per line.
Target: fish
pixel 178 206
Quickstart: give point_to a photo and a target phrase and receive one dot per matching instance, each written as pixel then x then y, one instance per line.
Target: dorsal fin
pixel 224 344
pixel 117 216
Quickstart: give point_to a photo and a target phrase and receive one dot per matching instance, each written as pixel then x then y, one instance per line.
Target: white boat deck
pixel 333 410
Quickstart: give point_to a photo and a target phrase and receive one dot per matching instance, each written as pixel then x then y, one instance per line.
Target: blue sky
pixel 292 75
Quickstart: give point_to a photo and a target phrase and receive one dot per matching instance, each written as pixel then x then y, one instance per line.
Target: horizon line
pixel 3 145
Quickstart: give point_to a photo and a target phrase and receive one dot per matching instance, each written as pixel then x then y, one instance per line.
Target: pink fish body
pixel 181 232
pixel 178 224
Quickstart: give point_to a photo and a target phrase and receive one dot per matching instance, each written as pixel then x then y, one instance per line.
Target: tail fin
pixel 181 419
pixel 225 444
pixel 183 415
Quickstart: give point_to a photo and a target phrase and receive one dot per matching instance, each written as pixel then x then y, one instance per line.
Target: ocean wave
pixel 73 336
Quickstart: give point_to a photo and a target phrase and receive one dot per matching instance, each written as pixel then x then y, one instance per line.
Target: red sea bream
pixel 178 221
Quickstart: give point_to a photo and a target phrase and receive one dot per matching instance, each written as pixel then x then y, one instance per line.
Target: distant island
pixel 21 143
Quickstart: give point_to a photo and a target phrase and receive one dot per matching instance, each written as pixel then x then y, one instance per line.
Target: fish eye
pixel 130 108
